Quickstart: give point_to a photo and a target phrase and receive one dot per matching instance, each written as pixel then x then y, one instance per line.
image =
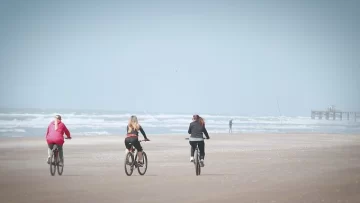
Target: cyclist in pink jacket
pixel 55 135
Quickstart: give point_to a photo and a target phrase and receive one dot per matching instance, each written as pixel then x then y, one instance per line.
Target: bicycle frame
pixel 197 159
pixel 134 163
pixel 54 161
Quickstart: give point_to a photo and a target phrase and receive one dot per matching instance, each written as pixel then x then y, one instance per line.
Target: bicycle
pixel 132 163
pixel 55 161
pixel 197 160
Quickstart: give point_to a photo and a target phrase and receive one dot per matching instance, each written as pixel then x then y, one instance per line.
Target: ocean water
pixel 23 122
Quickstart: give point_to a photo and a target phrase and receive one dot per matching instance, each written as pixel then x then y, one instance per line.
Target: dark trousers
pixel 60 148
pixel 201 145
pixel 133 141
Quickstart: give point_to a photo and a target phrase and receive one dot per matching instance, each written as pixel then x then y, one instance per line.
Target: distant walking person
pixel 230 125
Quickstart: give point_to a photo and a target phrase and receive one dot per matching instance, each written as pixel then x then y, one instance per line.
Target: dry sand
pixel 239 168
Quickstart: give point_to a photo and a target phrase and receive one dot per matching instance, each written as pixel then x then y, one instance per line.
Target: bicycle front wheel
pixel 197 163
pixel 60 168
pixel 142 169
pixel 129 164
pixel 53 163
pixel 198 168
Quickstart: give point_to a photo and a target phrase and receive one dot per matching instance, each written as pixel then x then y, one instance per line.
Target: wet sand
pixel 239 168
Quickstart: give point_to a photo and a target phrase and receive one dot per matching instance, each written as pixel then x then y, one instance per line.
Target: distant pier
pixel 332 114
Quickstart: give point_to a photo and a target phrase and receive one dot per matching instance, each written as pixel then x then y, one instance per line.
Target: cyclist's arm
pixel 67 132
pixel 206 133
pixel 143 132
pixel 189 131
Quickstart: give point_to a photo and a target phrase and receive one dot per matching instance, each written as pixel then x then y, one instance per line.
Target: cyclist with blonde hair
pixel 132 130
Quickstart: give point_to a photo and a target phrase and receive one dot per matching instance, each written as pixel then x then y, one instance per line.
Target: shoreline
pixel 4 137
pixel 5 142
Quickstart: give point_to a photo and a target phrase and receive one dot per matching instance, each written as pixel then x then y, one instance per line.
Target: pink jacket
pixel 56 136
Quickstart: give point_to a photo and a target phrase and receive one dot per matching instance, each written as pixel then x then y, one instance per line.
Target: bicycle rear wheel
pixel 53 160
pixel 198 168
pixel 197 163
pixel 129 163
pixel 142 169
pixel 60 169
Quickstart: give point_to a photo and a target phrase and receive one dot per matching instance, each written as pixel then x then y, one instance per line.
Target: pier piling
pixel 334 114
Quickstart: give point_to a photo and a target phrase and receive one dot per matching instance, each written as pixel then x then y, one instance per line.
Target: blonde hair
pixel 133 124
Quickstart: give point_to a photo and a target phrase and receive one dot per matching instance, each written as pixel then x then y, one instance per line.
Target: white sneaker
pixel 202 164
pixel 192 159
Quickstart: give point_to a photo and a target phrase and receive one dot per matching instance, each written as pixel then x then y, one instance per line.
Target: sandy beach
pixel 253 168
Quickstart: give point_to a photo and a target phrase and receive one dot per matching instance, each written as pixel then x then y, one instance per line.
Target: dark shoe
pixel 61 163
pixel 202 164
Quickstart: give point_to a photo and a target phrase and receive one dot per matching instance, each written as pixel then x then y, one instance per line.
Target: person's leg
pixel 192 149
pixel 139 149
pixel 127 145
pixel 50 146
pixel 140 157
pixel 61 154
pixel 49 152
pixel 201 145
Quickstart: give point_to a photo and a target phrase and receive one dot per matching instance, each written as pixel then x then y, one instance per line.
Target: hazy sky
pixel 181 56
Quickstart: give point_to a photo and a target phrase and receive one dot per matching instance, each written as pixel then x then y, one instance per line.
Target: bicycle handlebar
pixel 203 138
pixel 68 138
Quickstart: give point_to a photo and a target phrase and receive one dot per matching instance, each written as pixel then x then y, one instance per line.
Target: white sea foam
pixel 93 133
pixel 12 130
pixel 87 123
